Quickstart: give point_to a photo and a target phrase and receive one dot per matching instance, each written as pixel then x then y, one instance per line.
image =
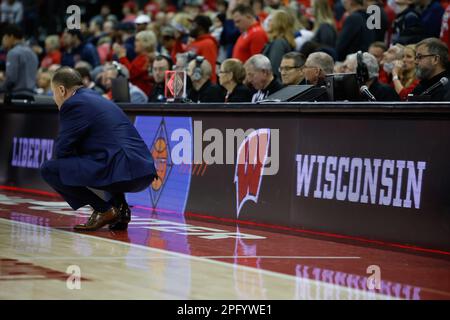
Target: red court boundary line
pixel 32 191
pixel 297 230
pixel 256 224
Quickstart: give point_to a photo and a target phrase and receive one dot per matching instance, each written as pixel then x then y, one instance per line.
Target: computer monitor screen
pixel 343 87
pixel 120 90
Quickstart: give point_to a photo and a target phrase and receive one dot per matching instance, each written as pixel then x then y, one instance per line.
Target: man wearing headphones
pixel 381 91
pixel 199 71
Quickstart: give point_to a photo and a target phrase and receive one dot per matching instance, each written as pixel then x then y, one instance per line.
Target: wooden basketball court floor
pixel 164 255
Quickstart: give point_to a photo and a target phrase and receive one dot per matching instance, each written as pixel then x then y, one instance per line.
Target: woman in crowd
pixel 281 38
pixel 404 73
pixel 145 45
pixel 231 77
pixel 324 24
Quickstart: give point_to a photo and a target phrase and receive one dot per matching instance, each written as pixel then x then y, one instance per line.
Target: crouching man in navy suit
pixel 99 148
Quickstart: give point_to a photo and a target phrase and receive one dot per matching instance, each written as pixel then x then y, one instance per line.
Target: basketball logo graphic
pixel 159 153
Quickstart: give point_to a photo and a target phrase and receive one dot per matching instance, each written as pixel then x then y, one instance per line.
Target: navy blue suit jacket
pixel 97 145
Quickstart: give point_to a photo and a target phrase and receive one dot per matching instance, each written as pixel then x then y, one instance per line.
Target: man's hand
pixel 119 50
pixel 398 66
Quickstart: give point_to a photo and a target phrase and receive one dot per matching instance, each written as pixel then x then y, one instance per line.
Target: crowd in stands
pixel 236 50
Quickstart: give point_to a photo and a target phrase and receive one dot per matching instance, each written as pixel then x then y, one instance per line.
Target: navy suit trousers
pixel 78 197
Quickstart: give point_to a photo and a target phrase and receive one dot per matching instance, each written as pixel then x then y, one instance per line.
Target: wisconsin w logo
pixel 251 158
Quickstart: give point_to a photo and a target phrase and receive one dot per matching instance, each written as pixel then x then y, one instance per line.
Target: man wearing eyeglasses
pixel 291 69
pixel 432 63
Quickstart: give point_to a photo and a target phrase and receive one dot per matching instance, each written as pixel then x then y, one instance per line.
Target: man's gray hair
pixel 205 66
pixel 117 67
pixel 259 62
pixel 321 60
pixel 67 77
pixel 368 59
pixel 372 65
pixel 396 50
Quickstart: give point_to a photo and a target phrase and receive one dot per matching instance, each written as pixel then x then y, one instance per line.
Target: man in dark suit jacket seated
pixel 97 147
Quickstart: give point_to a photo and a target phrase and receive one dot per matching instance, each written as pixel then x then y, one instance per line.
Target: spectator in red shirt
pixel 139 68
pixel 390 13
pixel 253 38
pixel 394 52
pixel 53 55
pixel 377 49
pixel 129 10
pixel 404 73
pixel 152 7
pixel 171 41
pixel 204 44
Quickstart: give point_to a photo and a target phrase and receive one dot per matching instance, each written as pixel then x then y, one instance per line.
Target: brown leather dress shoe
pixel 124 219
pixel 99 220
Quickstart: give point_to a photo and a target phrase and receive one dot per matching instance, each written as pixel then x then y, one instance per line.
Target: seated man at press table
pixel 380 91
pixel 203 90
pixel 259 76
pixel 291 69
pixel 432 70
pixel 316 67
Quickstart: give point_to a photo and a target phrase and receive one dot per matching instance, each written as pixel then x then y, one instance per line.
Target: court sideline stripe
pixel 260 224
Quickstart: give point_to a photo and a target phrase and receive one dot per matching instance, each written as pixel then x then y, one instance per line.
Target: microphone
pixel 365 91
pixel 442 82
pixel 118 68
